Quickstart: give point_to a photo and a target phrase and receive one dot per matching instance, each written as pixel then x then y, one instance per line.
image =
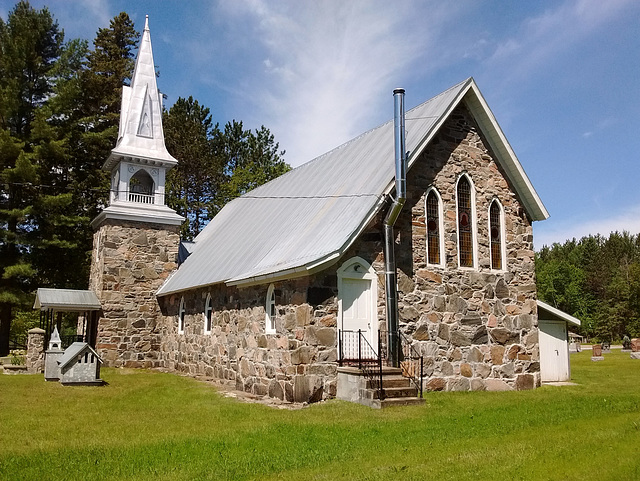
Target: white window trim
pixel 503 236
pixel 440 227
pixel 269 321
pixel 182 315
pixel 208 308
pixel 474 220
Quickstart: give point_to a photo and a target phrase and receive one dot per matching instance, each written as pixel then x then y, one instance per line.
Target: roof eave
pixel 557 313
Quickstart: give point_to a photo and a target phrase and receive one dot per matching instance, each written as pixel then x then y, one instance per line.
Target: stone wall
pixel 477 328
pixel 297 363
pixel 130 261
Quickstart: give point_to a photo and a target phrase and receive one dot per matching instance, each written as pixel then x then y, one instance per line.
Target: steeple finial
pixel 146 23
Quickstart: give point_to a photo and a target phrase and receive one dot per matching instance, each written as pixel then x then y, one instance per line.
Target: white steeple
pixel 140 160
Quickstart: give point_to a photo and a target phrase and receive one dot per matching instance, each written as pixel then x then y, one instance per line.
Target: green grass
pixel 152 426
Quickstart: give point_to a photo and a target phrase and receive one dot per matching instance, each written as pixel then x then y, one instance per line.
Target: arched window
pixel 270 310
pixel 141 187
pixel 435 229
pixel 181 315
pixel 496 235
pixel 208 315
pixel 465 198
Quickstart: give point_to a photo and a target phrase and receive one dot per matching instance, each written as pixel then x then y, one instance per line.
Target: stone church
pixel 344 258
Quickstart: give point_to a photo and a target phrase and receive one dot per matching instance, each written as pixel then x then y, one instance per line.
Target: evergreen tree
pixel 215 166
pixel 30 44
pixel 191 185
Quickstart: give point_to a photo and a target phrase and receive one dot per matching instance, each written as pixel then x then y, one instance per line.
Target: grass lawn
pixel 153 426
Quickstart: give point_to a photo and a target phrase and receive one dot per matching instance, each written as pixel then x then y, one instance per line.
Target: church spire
pixel 139 162
pixel 140 134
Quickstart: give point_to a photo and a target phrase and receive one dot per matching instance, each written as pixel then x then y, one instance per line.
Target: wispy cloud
pixel 541 37
pixel 323 64
pixel 546 233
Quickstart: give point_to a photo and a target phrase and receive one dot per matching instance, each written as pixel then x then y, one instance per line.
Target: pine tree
pixel 30 44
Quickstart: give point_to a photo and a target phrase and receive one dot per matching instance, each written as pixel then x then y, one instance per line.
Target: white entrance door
pixel 357 309
pixel 554 351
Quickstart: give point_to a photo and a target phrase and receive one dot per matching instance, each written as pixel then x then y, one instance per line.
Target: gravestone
pixel 596 354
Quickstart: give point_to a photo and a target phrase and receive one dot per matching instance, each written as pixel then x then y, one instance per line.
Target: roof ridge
pixel 358 137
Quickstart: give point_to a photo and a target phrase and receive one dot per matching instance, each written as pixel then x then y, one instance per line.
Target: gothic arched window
pixel 270 309
pixel 208 315
pixel 496 236
pixel 434 221
pixel 466 222
pixel 181 316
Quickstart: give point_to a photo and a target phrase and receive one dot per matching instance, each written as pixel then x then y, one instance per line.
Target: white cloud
pixel 547 232
pixel 326 66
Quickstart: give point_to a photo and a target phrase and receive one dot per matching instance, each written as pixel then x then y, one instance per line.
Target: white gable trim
pixel 556 313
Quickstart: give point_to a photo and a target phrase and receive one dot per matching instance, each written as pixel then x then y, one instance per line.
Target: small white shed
pixel 554 343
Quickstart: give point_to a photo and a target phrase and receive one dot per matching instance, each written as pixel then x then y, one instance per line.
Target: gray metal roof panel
pixel 312 211
pixel 69 300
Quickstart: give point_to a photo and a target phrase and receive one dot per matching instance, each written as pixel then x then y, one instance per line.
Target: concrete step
pixel 395 392
pixel 388 382
pixel 400 401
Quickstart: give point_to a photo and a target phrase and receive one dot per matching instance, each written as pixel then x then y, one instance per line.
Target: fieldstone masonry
pixel 477 328
pixel 130 262
pixel 298 363
pixel 35 351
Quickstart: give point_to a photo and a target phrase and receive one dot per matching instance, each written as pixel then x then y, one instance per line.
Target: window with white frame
pixel 181 315
pixel 208 315
pixel 496 235
pixel 465 202
pixel 435 229
pixel 270 310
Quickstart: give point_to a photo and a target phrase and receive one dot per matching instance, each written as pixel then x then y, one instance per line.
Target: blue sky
pixel 561 77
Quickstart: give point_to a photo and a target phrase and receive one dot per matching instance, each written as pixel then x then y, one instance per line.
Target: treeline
pixel 59 114
pixel 597 280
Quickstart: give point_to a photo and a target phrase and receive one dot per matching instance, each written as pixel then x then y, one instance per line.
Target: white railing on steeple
pixel 141 198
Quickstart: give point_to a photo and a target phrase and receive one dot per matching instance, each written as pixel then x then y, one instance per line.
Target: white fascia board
pixel 500 145
pixel 558 313
pixel 164 216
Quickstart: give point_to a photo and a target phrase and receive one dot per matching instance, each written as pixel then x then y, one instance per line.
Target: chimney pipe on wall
pixel 391 278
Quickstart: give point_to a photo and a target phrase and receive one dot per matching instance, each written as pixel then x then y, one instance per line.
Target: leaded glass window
pixel 465 223
pixel 495 235
pixel 433 228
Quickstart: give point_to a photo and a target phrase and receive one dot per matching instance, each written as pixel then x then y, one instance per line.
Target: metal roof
pixel 305 219
pixel 547 312
pixel 66 300
pixel 73 350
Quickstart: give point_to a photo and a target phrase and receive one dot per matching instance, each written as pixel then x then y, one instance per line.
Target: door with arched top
pixel 357 292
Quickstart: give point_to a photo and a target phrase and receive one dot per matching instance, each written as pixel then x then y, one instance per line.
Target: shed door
pixel 554 351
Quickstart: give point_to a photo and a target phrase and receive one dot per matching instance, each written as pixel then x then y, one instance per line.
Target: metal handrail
pixel 408 352
pixel 373 358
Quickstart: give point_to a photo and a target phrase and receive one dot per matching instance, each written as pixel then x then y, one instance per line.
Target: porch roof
pixel 66 300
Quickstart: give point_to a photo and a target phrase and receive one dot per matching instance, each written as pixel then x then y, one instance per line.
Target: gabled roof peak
pixel 140 135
